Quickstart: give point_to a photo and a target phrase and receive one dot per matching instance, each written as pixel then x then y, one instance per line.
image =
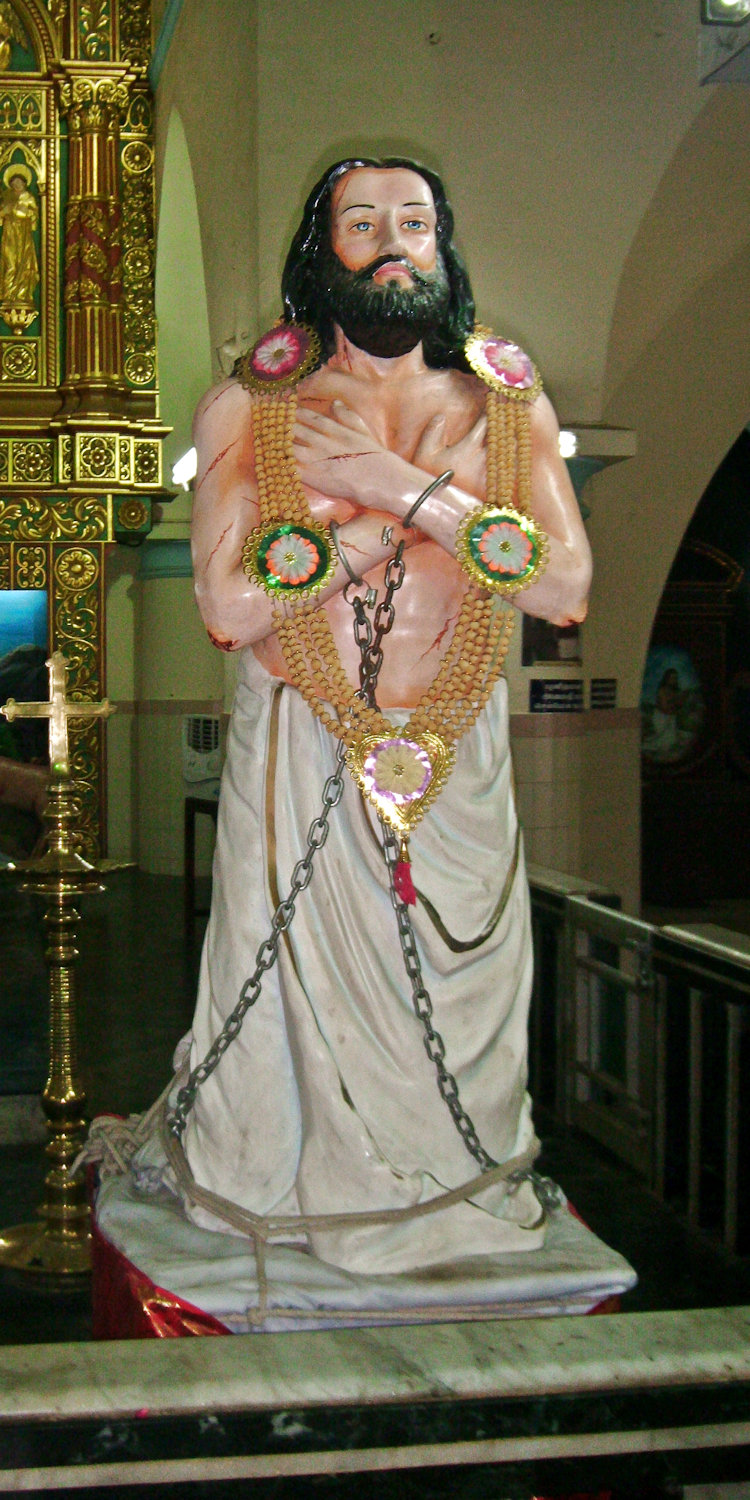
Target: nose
pixel 392 239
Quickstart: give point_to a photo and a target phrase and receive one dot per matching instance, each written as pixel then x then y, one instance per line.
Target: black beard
pixel 385 321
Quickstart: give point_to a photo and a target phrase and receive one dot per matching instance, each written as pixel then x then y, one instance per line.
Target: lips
pixel 393 270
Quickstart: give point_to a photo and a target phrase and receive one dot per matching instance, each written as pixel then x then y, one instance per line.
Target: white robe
pixel 327 1102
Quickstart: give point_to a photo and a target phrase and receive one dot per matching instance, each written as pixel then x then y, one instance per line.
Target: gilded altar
pixel 80 437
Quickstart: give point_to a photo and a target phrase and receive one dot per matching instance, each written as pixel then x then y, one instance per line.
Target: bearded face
pixel 374 256
pixel 385 319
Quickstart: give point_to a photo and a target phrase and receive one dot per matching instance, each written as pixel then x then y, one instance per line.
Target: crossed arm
pixel 339 457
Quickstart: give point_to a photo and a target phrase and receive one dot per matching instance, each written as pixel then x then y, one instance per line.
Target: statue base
pixel 158 1275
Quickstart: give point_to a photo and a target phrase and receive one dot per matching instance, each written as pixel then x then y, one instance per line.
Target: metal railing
pixel 639 1038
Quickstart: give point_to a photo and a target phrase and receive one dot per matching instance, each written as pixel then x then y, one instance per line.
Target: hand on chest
pixel 435 424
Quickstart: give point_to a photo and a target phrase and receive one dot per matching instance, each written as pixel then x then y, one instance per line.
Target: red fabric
pixel 127 1305
pixel 403 883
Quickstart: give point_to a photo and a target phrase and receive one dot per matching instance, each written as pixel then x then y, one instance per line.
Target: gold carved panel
pixel 80 437
pixel 81 517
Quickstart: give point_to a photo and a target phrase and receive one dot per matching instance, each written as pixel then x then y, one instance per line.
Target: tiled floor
pixel 137 978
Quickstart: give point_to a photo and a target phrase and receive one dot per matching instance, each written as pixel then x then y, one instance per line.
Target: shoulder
pixel 222 404
pixel 544 424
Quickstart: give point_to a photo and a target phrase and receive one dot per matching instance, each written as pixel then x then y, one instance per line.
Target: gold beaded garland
pixel 473 660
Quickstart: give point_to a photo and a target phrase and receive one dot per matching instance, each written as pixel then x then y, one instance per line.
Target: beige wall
pixel 601 203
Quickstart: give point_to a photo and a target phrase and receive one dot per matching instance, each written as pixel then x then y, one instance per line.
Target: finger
pixel 476 435
pixel 348 418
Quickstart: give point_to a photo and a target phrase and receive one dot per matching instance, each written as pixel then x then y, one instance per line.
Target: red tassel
pixel 403 883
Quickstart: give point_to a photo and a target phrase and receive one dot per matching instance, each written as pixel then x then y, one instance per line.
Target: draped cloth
pixel 327 1101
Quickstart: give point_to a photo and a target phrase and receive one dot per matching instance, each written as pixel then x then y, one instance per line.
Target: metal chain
pixel 434 1044
pixel 268 951
pixel 371 647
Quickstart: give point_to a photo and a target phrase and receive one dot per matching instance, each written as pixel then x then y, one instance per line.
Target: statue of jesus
pixel 368 1100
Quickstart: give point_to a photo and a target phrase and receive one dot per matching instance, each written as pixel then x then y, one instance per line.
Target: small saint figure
pixel 19 266
pixel 10 31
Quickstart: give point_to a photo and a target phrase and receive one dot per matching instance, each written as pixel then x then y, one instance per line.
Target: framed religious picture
pixel 673 708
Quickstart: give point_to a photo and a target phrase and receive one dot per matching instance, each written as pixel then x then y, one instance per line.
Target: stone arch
pixel 678 364
pixel 181 304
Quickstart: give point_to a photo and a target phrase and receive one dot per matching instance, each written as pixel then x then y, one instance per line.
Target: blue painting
pixel 673 708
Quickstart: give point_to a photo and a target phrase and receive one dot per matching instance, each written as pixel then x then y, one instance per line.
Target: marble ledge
pixel 543 1357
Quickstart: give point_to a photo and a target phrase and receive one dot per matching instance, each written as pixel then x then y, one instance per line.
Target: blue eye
pixel 415 224
pixel 362 224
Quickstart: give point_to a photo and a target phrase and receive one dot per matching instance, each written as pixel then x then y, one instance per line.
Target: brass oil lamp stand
pixel 57 1250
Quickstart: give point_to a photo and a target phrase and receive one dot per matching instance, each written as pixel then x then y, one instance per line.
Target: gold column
pixel 93 243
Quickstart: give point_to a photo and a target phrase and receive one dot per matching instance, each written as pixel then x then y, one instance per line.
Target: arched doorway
pixel 695 705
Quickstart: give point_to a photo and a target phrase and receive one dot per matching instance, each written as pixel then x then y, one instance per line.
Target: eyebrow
pixel 415 204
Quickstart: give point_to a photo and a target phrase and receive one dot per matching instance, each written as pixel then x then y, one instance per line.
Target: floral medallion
pixel 280 358
pixel 400 774
pixel 398 769
pixel 501 550
pixel 502 365
pixel 76 569
pixel 289 558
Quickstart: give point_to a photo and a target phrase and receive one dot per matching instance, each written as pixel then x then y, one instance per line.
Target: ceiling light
pixel 725 12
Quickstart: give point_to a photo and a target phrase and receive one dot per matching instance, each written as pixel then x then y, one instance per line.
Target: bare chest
pixel 399 414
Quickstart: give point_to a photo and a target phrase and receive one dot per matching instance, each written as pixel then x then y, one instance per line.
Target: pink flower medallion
pixel 502 365
pixel 398 770
pixel 509 363
pixel 280 357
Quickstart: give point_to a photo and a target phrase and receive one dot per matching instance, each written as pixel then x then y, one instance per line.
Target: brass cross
pixel 58 711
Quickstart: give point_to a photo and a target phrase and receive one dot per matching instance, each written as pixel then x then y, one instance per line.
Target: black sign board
pixel 604 692
pixel 555 695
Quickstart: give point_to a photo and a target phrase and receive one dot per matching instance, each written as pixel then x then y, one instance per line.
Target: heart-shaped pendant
pixel 400 774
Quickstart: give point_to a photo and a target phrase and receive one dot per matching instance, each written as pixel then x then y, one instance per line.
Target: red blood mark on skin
pixel 438 641
pixel 336 458
pixel 215 549
pixel 216 398
pixel 215 461
pixel 220 644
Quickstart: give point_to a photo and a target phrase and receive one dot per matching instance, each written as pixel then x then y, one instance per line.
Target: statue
pixel 378 485
pixel 327 1102
pixel 11 31
pixel 19 267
